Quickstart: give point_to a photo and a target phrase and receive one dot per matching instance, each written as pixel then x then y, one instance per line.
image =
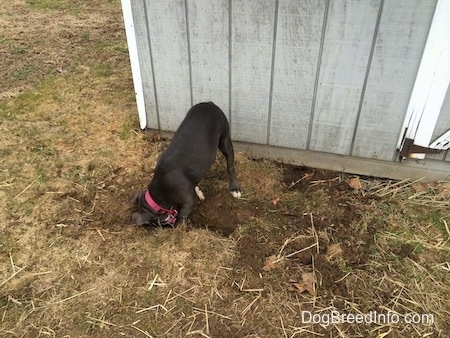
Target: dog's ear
pixel 142 218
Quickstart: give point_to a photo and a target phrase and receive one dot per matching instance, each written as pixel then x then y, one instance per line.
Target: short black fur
pixel 185 162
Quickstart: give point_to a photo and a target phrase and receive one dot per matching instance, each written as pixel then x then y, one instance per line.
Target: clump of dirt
pixel 251 253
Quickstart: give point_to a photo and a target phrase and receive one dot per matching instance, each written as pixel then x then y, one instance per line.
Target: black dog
pixel 173 192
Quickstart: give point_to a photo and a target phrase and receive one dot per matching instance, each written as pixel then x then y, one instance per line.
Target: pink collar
pixel 172 213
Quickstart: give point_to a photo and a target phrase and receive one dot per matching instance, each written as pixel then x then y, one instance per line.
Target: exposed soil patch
pixel 316 222
pixel 218 213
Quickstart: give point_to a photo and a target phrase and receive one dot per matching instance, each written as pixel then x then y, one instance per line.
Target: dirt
pixel 334 224
pixel 340 212
pixel 336 221
pixel 327 235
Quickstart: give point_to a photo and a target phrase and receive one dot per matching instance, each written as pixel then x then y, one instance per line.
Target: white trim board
pixel 134 60
pixel 442 142
pixel 432 82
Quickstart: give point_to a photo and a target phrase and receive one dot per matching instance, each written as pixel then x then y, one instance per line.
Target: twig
pixel 170 328
pixel 314 231
pixel 180 294
pixel 5 184
pixel 446 226
pixel 282 327
pixel 67 299
pixel 12 263
pixel 241 287
pixel 341 279
pixel 28 187
pixel 314 282
pixel 249 306
pixel 15 301
pixel 286 242
pixel 12 276
pixel 200 332
pixel 206 319
pixel 304 330
pixel 98 320
pixel 74 296
pixel 101 235
pixel 399 185
pixel 211 312
pixel 34 274
pixel 154 283
pixel 324 181
pixel 145 333
pixel 157 306
pixel 299 180
pixel 301 250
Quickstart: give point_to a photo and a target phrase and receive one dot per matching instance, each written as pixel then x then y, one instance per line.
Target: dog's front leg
pixel 187 207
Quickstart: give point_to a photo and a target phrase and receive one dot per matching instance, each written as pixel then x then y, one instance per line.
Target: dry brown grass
pixel 73 265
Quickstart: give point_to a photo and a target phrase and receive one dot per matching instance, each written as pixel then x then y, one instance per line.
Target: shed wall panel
pixel 348 41
pixel 305 76
pixel 399 46
pixel 298 40
pixel 251 56
pixel 168 36
pixel 209 48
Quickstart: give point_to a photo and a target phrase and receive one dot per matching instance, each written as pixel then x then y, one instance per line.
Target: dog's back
pixel 194 145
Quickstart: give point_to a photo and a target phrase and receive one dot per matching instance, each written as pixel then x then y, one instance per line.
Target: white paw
pixel 199 193
pixel 236 194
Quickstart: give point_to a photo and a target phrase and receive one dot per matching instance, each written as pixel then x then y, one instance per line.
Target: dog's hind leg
pixel 226 147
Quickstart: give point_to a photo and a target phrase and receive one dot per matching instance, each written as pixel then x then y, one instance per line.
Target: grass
pixel 72 264
pixel 48 4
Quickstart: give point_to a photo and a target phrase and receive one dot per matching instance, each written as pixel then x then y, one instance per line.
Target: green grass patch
pixel 24 103
pixel 50 4
pixel 129 126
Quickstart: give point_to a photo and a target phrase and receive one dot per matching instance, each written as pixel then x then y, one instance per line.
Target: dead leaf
pixel 355 183
pixel 366 207
pixel 270 263
pixel 275 201
pixel 156 137
pixel 308 283
pixel 419 187
pixel 433 184
pixel 443 194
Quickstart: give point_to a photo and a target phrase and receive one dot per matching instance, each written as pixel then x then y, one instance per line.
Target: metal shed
pixel 358 86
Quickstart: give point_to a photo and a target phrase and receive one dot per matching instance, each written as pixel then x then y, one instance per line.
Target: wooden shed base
pixel 426 170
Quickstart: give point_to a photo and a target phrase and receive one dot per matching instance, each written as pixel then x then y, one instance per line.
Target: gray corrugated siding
pixel 328 76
